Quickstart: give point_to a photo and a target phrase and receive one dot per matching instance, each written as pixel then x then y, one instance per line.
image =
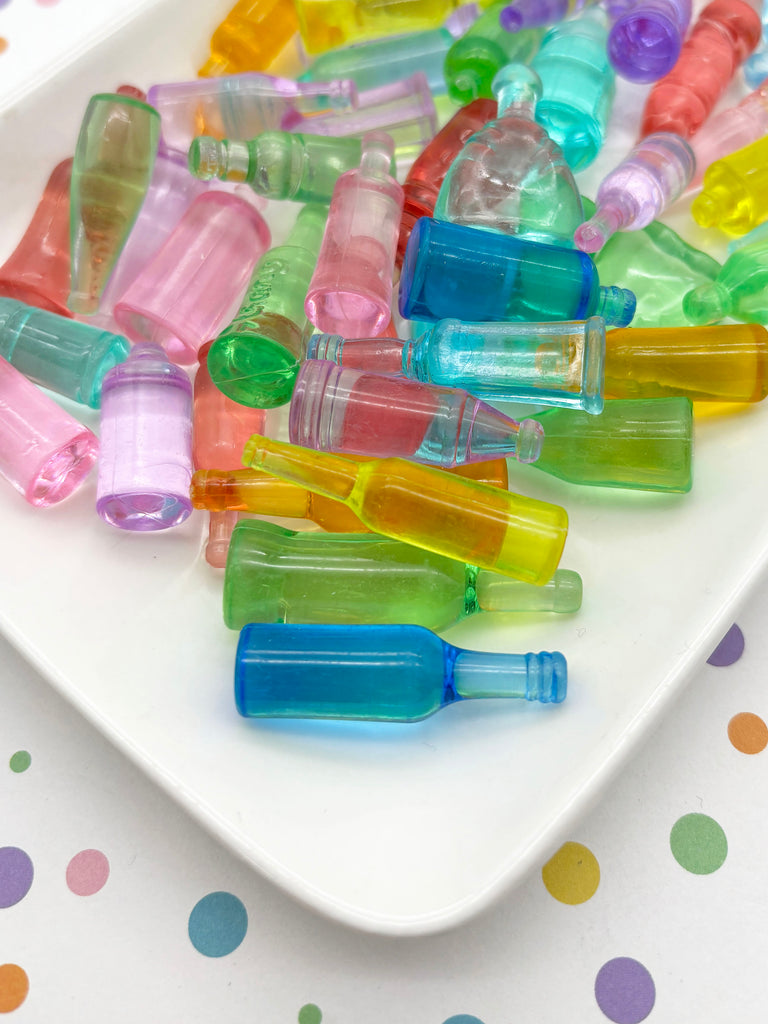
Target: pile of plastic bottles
pixel 441 262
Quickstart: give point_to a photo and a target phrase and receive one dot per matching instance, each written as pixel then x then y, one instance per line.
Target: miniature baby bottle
pixel 578 86
pixel 653 175
pixel 45 453
pixel 146 443
pixel 351 288
pixel 725 33
pixel 112 168
pixel 510 176
pixel 729 130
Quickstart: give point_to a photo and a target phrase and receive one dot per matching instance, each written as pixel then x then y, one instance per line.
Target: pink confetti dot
pixel 87 872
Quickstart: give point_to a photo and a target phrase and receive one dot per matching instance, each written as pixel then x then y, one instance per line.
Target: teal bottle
pixel 510 176
pixel 579 85
pixel 378 673
pixel 474 60
pixel 63 355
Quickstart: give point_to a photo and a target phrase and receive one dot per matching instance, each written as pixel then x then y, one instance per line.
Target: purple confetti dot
pixel 730 648
pixel 16 874
pixel 624 990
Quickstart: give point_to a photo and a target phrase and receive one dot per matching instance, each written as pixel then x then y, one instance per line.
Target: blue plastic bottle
pixel 379 673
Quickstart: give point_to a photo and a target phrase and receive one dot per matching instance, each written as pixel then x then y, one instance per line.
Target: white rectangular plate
pixel 394 829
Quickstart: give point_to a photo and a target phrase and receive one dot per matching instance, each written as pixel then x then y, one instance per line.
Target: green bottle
pixel 279 575
pixel 254 361
pixel 473 61
pixel 740 290
pixel 643 444
pixel 658 266
pixel 278 165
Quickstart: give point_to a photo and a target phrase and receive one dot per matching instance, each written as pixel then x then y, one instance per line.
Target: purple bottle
pixel 351 289
pixel 44 452
pixel 537 13
pixel 654 174
pixel 145 467
pixel 646 39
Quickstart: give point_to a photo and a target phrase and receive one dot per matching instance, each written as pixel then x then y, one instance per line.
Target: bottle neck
pixel 536 677
pixel 330 475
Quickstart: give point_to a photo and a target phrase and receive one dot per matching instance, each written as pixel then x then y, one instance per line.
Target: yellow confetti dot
pixel 572 875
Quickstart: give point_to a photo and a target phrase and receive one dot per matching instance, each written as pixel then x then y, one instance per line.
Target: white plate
pixel 395 829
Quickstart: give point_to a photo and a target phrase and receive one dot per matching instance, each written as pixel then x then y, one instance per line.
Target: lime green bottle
pixel 643 444
pixel 739 291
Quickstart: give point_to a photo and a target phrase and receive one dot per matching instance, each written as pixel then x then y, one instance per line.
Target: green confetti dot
pixel 698 844
pixel 310 1014
pixel 20 761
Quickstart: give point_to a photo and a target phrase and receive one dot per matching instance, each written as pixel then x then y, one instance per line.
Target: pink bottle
pixel 220 429
pixel 44 452
pixel 731 129
pixel 196 281
pixel 351 289
pixel 37 271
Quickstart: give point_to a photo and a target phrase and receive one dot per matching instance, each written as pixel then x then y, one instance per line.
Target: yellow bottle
pixel 429 508
pixel 735 193
pixel 249 490
pixel 327 24
pixel 251 36
pixel 723 363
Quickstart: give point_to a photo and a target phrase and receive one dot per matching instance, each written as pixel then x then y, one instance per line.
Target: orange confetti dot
pixel 14 985
pixel 3 45
pixel 748 733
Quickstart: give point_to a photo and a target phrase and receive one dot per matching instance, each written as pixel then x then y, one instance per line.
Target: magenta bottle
pixel 44 452
pixel 145 467
pixel 193 286
pixel 351 289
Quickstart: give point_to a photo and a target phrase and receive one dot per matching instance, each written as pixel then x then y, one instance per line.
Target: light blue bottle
pixel 578 85
pixel 560 364
pixel 378 673
pixel 755 67
pixel 64 355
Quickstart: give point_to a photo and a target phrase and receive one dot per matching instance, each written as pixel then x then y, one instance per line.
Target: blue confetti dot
pixel 217 924
pixel 463 1018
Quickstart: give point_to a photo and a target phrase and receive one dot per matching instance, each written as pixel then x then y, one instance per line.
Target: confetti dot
pixel 87 872
pixel 748 733
pixel 463 1018
pixel 3 44
pixel 698 843
pixel 729 650
pixel 310 1014
pixel 572 875
pixel 217 924
pixel 14 985
pixel 624 990
pixel 16 874
pixel 20 761
pixel 47 3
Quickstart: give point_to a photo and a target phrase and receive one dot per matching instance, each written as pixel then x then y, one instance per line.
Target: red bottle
pixel 726 32
pixel 426 176
pixel 37 271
